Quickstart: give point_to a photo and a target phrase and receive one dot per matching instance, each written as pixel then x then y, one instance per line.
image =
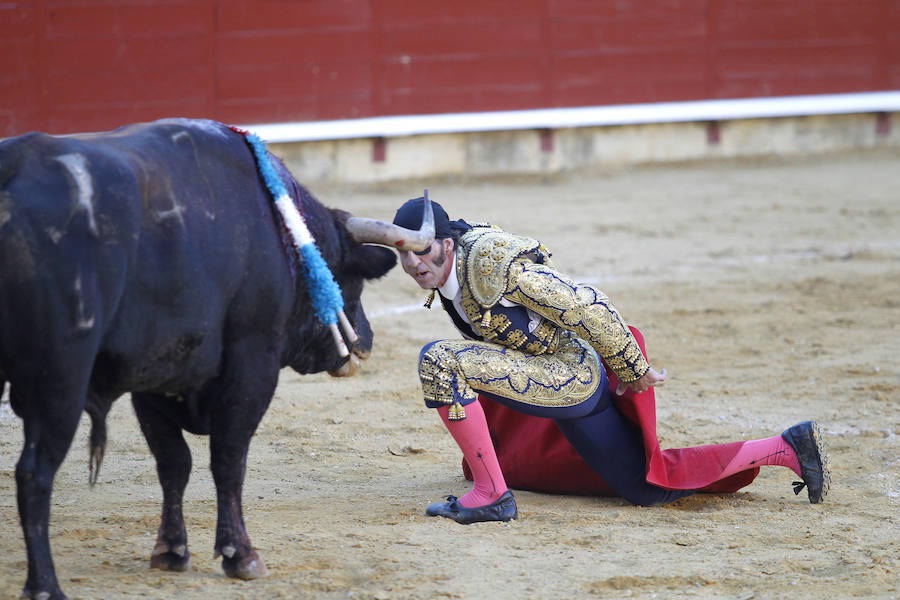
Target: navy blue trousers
pixel 612 446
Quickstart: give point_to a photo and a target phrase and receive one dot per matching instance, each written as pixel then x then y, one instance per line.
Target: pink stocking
pixel 758 453
pixel 474 439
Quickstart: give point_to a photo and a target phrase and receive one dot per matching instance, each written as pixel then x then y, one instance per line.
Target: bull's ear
pixel 371 262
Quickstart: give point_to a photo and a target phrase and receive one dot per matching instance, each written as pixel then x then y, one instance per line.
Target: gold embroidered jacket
pixel 496 269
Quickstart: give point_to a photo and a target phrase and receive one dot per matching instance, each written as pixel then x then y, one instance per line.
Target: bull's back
pixel 209 255
pixel 69 215
pixel 135 240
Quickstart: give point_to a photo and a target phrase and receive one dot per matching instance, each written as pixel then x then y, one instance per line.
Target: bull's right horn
pixel 373 231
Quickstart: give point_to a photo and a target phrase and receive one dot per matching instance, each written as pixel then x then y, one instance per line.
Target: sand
pixel 769 290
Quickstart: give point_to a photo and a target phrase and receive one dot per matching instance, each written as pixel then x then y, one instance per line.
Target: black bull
pixel 151 260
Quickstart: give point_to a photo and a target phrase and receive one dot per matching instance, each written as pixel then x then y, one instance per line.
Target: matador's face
pixel 431 268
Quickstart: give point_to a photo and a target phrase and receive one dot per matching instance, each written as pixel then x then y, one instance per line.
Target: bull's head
pixel 363 259
pixel 373 231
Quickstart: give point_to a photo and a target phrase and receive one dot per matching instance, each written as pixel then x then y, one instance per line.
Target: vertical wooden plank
pixel 888 25
pixel 19 68
pixel 548 89
pixel 711 83
pixel 210 38
pixel 376 55
pixel 43 101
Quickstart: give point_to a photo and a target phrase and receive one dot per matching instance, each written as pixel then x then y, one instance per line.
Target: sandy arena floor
pixel 769 290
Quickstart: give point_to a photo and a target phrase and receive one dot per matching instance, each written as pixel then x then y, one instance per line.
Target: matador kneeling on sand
pixel 532 370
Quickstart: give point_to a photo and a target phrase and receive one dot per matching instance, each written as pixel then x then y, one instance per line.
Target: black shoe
pixel 502 509
pixel 806 440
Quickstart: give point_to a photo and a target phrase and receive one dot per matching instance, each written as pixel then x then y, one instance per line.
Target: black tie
pixel 460 323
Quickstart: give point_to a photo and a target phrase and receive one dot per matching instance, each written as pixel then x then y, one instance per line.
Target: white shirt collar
pixel 451 287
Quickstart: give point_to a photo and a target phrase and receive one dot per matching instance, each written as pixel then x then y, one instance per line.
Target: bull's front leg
pixel 161 418
pixel 244 392
pixel 50 420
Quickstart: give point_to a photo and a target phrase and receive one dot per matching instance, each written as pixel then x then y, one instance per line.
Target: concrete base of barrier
pixel 555 151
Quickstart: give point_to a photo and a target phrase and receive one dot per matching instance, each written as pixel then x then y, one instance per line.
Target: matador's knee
pixel 443 382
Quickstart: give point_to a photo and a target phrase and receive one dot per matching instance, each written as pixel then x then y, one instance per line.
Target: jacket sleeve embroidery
pixel 580 308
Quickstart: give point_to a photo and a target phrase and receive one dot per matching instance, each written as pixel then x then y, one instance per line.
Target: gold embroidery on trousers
pixel 567 377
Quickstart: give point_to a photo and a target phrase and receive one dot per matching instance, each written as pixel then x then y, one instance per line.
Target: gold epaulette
pixel 486 252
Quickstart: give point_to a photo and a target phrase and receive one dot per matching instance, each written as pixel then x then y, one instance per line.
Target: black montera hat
pixel 409 216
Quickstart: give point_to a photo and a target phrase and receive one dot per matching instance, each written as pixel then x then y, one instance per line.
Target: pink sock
pixel 765 452
pixel 474 439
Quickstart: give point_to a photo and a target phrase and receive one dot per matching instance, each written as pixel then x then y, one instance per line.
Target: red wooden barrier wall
pixel 78 65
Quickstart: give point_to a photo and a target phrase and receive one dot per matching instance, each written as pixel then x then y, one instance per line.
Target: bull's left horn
pixel 373 231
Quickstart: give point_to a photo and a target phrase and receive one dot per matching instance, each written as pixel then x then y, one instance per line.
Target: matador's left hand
pixel 651 378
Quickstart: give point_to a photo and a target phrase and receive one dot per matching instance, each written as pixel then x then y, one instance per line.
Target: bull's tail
pixel 97 449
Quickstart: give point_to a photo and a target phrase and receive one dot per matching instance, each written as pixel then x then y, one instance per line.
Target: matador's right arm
pixel 582 309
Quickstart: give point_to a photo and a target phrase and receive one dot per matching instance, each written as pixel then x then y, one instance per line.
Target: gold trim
pixel 456 370
pixel 581 309
pixel 486 254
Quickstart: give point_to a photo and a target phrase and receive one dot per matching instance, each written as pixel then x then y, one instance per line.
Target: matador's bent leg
pixel 452 374
pixel 561 385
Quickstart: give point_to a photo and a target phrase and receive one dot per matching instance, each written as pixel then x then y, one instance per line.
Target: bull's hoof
pixel 248 567
pixel 43 595
pixel 170 558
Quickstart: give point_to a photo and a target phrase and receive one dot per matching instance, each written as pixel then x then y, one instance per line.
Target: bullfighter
pixel 543 356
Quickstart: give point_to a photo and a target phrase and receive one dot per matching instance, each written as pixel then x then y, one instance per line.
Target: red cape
pixel 535 456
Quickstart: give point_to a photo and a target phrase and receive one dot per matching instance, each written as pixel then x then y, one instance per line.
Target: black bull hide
pixel 152 260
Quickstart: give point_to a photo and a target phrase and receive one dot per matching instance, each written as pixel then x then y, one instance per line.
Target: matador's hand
pixel 650 379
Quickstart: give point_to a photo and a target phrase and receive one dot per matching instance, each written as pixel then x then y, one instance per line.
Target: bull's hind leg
pixel 248 381
pixel 159 419
pixel 50 414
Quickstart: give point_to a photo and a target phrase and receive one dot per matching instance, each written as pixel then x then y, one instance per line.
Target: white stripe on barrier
pixel 588 116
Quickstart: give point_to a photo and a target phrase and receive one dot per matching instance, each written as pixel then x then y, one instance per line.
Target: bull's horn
pixel 373 231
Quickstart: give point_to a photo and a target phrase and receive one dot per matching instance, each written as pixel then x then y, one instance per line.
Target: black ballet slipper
pixel 806 440
pixel 502 509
